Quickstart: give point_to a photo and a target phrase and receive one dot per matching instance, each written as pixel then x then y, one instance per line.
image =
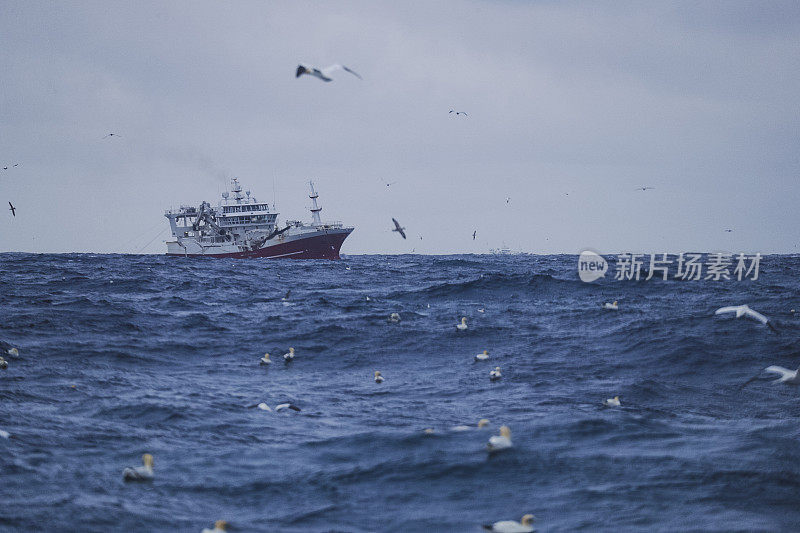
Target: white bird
pixel 278 408
pixel 612 402
pixel 286 297
pixel 367 298
pixel 220 526
pixel 8 349
pixel 744 310
pixel 289 356
pixel 4 434
pixel 265 360
pixel 613 306
pixel 511 526
pixel 500 442
pixel 378 377
pixel 482 310
pixel 325 73
pixel 483 356
pixel 495 374
pixel 790 377
pixel 482 423
pixel 394 318
pixel 140 473
pixel 463 325
pixel 3 363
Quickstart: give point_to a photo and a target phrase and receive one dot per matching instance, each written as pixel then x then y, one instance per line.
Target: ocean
pixel 122 355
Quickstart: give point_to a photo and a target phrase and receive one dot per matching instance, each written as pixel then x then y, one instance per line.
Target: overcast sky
pixel 572 105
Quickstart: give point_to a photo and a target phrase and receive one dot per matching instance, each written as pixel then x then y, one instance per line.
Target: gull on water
pixel 278 408
pixel 378 377
pixel 511 526
pixel 394 318
pixel 613 306
pixel 323 73
pixel 265 360
pixel 482 310
pixel 612 402
pixel 463 325
pixel 398 228
pixel 286 298
pixel 140 473
pixel 220 526
pixel 744 310
pixel 4 434
pixel 289 356
pixel 482 423
pixel 3 363
pixel 500 442
pixel 483 356
pixel 495 374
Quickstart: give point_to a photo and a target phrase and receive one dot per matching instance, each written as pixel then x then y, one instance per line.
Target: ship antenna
pixel 316 209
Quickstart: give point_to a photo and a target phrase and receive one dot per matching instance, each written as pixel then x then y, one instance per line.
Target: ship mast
pixel 315 209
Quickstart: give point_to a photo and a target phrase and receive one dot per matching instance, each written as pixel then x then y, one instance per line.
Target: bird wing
pixel 288 293
pixel 729 309
pixel 294 407
pixel 396 224
pixel 403 233
pixel 784 372
pixel 300 71
pixel 327 71
pixel 464 114
pixel 755 314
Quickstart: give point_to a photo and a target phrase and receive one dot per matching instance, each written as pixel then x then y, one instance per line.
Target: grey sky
pixel 699 100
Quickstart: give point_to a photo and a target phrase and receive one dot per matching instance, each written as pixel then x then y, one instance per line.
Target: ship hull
pixel 324 244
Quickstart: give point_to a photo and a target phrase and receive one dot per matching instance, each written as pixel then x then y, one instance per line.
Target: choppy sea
pixel 125 355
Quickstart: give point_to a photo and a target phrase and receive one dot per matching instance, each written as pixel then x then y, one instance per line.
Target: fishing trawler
pixel 242 227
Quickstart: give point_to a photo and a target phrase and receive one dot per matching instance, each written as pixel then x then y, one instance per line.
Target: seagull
pixel 744 310
pixel 474 233
pixel 278 408
pixel 8 349
pixel 644 188
pixel 508 200
pixel 420 237
pixel 790 377
pixel 3 364
pixel 500 442
pixel 378 377
pixel 483 356
pixel 265 360
pixel 12 209
pixel 111 135
pixel 220 526
pixel 482 310
pixel 398 228
pixel 495 374
pixel 390 184
pixel 511 526
pixel 728 230
pixel 458 112
pixel 289 356
pixel 286 298
pixel 140 473
pixel 325 73
pixel 463 325
pixel 4 434
pixel 612 402
pixel 613 306
pixel 394 318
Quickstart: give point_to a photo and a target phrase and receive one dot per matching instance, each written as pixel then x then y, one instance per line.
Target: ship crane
pixel 204 216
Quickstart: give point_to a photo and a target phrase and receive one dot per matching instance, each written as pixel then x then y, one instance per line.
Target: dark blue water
pixel 163 355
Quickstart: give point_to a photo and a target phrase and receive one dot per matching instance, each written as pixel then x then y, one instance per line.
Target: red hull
pixel 319 247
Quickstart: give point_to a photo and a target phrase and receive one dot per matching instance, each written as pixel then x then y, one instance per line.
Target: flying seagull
pixel 12 209
pixel 473 234
pixel 744 310
pixel 398 228
pixel 390 184
pixel 508 200
pixel 325 73
pixel 111 135
pixel 644 188
pixel 458 112
pixel 728 230
pixel 790 377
